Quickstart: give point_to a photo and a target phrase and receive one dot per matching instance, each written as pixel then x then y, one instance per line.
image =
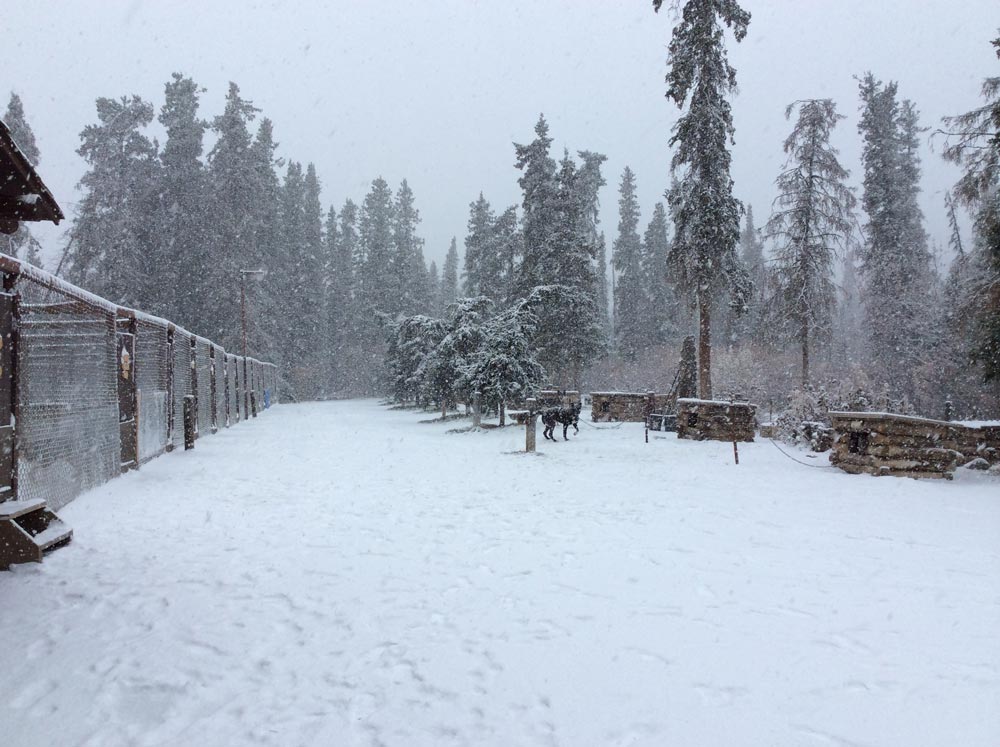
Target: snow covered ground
pixel 342 574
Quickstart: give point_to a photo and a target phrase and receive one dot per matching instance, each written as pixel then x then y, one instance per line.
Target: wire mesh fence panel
pixel 152 366
pixel 232 381
pixel 98 389
pixel 182 382
pixel 220 387
pixel 258 391
pixel 203 362
pixel 265 397
pixel 67 424
pixel 274 383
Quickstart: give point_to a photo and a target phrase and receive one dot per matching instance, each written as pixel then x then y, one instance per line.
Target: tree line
pixel 837 290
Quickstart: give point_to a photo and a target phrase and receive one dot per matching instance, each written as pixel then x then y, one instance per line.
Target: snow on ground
pixel 342 574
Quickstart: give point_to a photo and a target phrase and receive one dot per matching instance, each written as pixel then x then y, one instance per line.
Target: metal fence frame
pixel 151 362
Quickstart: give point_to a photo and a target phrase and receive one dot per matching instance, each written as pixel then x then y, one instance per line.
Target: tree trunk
pixel 704 346
pixel 805 352
pixel 503 413
pixel 444 408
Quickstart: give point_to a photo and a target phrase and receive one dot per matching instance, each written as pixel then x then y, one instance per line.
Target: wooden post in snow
pixel 529 426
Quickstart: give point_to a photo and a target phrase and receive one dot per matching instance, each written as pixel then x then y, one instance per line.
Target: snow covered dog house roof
pixel 23 194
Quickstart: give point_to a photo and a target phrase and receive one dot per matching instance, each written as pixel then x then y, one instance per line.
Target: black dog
pixel 568 415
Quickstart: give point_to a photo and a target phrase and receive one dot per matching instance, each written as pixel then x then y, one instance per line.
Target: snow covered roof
pixel 23 195
pixel 849 415
pixel 726 402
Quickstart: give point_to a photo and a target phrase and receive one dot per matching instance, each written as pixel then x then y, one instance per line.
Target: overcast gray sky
pixel 436 91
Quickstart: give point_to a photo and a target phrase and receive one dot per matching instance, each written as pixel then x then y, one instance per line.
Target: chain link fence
pixel 89 390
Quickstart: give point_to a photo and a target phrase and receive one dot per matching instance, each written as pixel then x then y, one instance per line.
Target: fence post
pixel 171 389
pixel 10 302
pixel 529 425
pixel 477 409
pixel 128 420
pixel 190 420
pixel 194 382
pixel 236 390
pixel 246 389
pixel 225 388
pixel 213 391
pixel 253 388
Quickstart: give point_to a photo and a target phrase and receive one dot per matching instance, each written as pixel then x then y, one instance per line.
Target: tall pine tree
pixel 449 278
pixel 180 247
pixel 661 303
pixel 895 266
pixel 707 216
pixel 110 233
pixel 974 143
pixel 538 185
pixel 234 190
pixel 811 222
pixel 631 304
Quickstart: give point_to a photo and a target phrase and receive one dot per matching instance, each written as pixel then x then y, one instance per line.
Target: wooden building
pixel 23 194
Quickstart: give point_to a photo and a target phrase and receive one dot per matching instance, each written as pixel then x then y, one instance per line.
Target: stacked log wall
pixel 711 420
pixel 627 407
pixel 906 446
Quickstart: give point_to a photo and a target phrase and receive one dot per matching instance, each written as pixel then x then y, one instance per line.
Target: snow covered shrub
pixel 806 420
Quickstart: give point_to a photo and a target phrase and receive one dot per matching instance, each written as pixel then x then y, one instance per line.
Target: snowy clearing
pixel 342 574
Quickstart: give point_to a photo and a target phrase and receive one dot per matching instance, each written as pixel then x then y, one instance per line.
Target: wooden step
pixel 13 509
pixel 54 536
pixel 29 530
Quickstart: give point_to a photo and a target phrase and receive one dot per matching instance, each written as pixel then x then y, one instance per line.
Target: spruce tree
pixel 349 333
pixel 287 275
pixel 449 277
pixel 974 144
pixel 234 206
pixel 601 294
pixel 267 326
pixel 895 262
pixel 336 285
pixel 20 130
pixel 309 322
pixel 538 184
pixel 507 243
pixel 377 282
pixel 180 248
pixel 483 270
pixel 587 186
pixel 659 297
pixel 752 256
pixel 408 259
pixel 707 216
pixel 110 233
pixel 21 243
pixel 631 303
pixel 570 325
pixel 505 368
pixel 954 234
pixel 811 221
pixel 434 288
